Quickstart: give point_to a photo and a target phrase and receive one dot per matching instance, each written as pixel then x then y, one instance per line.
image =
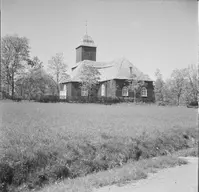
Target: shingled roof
pixel 116 69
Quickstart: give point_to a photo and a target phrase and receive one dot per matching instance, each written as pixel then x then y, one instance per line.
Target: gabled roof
pixel 116 69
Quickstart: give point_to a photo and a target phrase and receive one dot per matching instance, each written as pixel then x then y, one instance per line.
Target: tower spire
pixel 86 27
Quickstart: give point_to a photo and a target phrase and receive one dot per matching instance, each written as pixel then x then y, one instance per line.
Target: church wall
pixel 99 91
pixel 150 90
pixel 120 83
pixel 75 89
pixel 113 88
pixel 109 88
pixel 69 92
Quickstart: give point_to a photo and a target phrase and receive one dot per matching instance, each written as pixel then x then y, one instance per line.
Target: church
pixel 114 76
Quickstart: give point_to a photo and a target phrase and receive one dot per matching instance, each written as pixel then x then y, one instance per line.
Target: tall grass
pixel 42 143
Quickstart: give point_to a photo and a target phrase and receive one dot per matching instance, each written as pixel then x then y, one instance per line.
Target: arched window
pixel 84 91
pixel 63 92
pixel 65 89
pixel 125 91
pixel 103 90
pixel 144 92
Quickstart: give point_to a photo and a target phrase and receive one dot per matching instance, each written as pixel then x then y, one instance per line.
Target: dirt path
pixel 182 178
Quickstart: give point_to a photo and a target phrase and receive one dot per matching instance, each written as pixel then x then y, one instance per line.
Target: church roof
pixel 116 69
pixel 87 41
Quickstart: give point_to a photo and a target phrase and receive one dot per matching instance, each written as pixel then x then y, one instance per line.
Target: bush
pixel 48 99
pixel 93 99
pixel 161 103
pixel 192 104
pixel 17 99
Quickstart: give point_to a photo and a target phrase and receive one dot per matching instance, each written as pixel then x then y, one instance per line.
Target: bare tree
pixel 90 77
pixel 15 50
pixel 58 68
pixel 159 86
pixel 135 84
pixel 192 85
pixel 178 80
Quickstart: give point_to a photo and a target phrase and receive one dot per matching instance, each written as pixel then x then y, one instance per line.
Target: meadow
pixel 45 142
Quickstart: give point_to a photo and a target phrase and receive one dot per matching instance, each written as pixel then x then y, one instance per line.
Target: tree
pixel 15 50
pixel 178 81
pixel 169 96
pixel 159 87
pixel 192 85
pixel 135 84
pixel 58 68
pixel 36 83
pixel 90 77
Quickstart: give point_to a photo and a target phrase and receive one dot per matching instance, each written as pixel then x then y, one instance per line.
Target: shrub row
pixel 81 158
pixel 102 100
pixel 48 99
pixel 81 99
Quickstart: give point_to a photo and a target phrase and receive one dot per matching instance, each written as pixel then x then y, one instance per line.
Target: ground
pixel 88 138
pixel 181 178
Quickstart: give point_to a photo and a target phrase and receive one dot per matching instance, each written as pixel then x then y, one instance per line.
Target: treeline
pixel 180 89
pixel 25 77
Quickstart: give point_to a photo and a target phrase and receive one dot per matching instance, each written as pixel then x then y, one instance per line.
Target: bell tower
pixel 86 50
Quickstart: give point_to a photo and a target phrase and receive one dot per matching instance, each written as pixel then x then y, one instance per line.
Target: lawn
pixel 61 140
pixel 94 120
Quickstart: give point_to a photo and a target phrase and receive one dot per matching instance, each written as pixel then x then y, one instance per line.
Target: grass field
pixel 46 142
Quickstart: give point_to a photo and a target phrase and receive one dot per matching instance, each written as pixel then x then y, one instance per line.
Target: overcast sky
pixel 150 33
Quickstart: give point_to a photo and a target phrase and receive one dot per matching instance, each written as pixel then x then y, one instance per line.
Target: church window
pixel 125 91
pixel 103 89
pixel 63 92
pixel 144 92
pixel 84 91
pixel 65 88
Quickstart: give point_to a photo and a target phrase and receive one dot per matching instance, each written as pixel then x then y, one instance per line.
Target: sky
pixel 151 34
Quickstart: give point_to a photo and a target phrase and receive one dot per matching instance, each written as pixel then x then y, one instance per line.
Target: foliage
pixel 178 83
pixel 48 99
pixel 94 99
pixel 135 84
pixel 90 77
pixel 58 68
pixel 36 82
pixel 15 53
pixel 192 84
pixel 180 88
pixel 159 87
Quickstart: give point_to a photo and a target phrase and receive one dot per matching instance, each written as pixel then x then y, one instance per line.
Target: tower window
pixel 125 91
pixel 144 92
